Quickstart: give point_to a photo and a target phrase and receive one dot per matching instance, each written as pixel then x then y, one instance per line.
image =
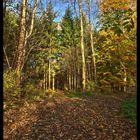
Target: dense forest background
pixel 88 46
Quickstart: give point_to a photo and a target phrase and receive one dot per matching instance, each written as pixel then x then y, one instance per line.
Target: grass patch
pixel 128 109
pixel 74 94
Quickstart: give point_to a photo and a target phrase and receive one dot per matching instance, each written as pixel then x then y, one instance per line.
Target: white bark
pixel 82 47
pixel 125 76
pixel 91 41
pixel 49 78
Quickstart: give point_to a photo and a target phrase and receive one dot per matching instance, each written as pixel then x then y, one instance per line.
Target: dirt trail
pixel 64 118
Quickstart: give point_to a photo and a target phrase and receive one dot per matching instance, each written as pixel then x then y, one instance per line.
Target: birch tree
pixel 91 40
pixel 82 47
pixel 23 36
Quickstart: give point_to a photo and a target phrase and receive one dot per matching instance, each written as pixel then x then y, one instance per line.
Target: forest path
pixel 65 118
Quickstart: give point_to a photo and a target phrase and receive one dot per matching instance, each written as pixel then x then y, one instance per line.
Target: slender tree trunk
pixel 66 81
pixel 44 83
pixel 24 35
pixel 21 48
pixel 93 55
pixel 91 42
pixel 77 70
pixel 4 8
pixel 89 72
pixel 46 78
pixel 74 77
pixel 32 20
pixel 7 60
pixel 53 74
pixel 78 78
pixel 125 77
pixel 69 80
pixel 82 47
pixel 49 78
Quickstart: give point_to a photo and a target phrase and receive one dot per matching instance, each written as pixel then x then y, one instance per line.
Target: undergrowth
pixel 73 94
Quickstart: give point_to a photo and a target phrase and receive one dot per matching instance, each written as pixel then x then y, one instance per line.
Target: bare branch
pixel 7 60
pixel 32 20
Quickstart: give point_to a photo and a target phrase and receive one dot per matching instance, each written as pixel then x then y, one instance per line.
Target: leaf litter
pixel 64 118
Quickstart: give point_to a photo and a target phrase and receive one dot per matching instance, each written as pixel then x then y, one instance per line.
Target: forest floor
pixel 63 118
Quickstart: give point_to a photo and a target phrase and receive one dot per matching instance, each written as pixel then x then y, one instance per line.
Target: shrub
pixel 11 87
pixel 33 93
pixel 91 86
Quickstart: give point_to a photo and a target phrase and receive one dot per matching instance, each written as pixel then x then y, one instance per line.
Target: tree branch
pixel 32 20
pixel 7 60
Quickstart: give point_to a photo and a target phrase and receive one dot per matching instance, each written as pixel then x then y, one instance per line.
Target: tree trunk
pixel 74 77
pixel 78 78
pixel 21 47
pixel 24 36
pixel 49 78
pixel 91 42
pixel 93 54
pixel 125 77
pixel 44 83
pixel 69 80
pixel 7 60
pixel 82 47
pixel 45 78
pixel 53 74
pixel 32 20
pixel 4 8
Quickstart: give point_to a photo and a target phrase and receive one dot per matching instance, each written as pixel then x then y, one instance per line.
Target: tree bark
pixel 93 54
pixel 49 78
pixel 21 47
pixel 82 47
pixel 4 8
pixel 45 79
pixel 91 42
pixel 24 36
pixel 78 78
pixel 69 80
pixel 7 60
pixel 53 74
pixel 32 20
pixel 125 77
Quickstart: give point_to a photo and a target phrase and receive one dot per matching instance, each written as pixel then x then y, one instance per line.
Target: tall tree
pixel 82 47
pixel 21 47
pixel 23 36
pixel 45 40
pixel 91 40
